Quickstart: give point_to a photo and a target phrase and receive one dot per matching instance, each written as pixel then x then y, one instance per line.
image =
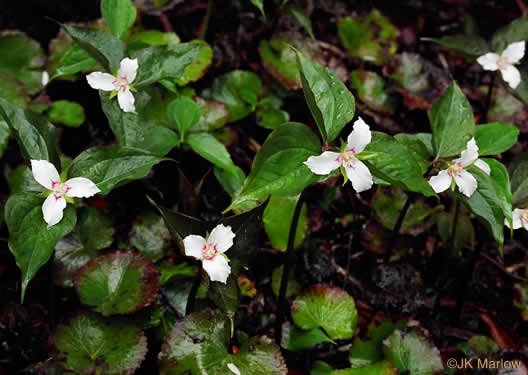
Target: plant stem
pixel 397 227
pixel 205 23
pixel 454 227
pixel 489 97
pixel 287 266
pixel 192 293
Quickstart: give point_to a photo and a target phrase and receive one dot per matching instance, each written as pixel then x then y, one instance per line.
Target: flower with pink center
pixel 211 251
pixel 120 85
pixel 519 218
pixel 505 62
pixel 46 175
pixel 457 172
pixel 356 171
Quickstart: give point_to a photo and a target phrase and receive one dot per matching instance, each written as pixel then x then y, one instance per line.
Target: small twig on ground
pixel 166 23
pixel 502 268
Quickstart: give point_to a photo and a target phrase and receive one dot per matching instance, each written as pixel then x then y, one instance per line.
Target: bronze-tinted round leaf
pixel 117 283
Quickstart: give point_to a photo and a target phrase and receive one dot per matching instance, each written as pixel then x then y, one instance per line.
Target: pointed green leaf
pixel 295 339
pixel 518 171
pixel 119 15
pixel 492 139
pixel 515 31
pixel 465 44
pixel 277 220
pixel 183 114
pixel 207 146
pixel 75 60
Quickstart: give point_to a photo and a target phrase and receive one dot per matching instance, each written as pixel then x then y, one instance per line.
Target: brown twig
pixel 503 268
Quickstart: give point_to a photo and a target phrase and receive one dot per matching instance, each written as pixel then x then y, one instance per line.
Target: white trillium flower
pixel 233 368
pixel 519 218
pixel 46 174
pixel 211 251
pixel 467 184
pixel 505 62
pixel 356 171
pixel 120 85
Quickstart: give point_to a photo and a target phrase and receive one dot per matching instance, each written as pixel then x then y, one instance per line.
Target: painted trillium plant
pixel 120 85
pixel 352 168
pixel 505 62
pixel 211 251
pixel 59 192
pixel 457 172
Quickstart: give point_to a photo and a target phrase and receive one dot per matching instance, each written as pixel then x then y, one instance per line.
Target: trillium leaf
pixel 278 167
pixel 238 90
pixel 231 181
pixel 515 31
pixel 277 220
pixel 161 62
pixel 5 134
pixel 119 15
pixel 102 46
pixel 36 137
pixel 452 122
pixel 466 44
pixel 199 67
pixel 147 38
pixel 302 18
pixel 422 154
pixel 260 5
pixel 295 339
pixel 379 368
pixel 21 179
pixel 328 307
pixel 412 350
pixel 94 229
pixel 207 146
pixel 183 114
pixel 331 103
pixel 66 113
pixel 518 171
pixel 75 60
pixel 394 162
pixel 150 235
pixel 159 140
pixel 117 283
pixel 87 344
pixel 198 345
pixel 30 240
pixel 492 139
pixel 501 181
pixel 109 167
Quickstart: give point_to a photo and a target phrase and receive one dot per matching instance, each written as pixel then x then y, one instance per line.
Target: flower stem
pixel 454 227
pixel 397 227
pixel 488 98
pixel 205 22
pixel 289 260
pixel 192 293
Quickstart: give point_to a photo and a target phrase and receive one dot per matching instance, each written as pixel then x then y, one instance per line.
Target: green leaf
pixel 102 46
pixel 328 307
pixel 109 167
pixel 13 90
pixel 321 368
pixel 159 140
pixel 207 146
pixel 493 139
pixel 225 296
pixel 231 181
pixel 466 44
pixel 87 345
pixel 452 122
pixel 215 115
pixel 372 38
pixel 117 283
pixel 69 256
pixel 423 154
pixel 94 230
pixel 302 19
pixel 260 5
pixel 371 90
pixel 518 171
pixel 501 181
pixel 278 167
pixel 295 339
pixel 277 220
pixel 205 335
pixel 161 62
pixel 36 137
pixel 21 179
pixel 238 90
pixel 150 236
pixel 380 368
pixel 119 15
pixel 183 114
pixel 30 240
pixel 331 103
pixel 271 118
pixel 395 163
pixel 412 350
pixel 75 60
pixel 515 31
pixel 147 38
pixel 293 286
pixel 5 134
pixel 67 113
pixel 199 67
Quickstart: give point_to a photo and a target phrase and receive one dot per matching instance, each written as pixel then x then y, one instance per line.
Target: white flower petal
pixel 324 163
pixel 489 61
pixel 222 237
pixel 44 173
pixel 52 209
pixel 101 81
pixel 194 245
pixel 467 184
pixel 516 218
pixel 217 268
pixel 359 175
pixel 360 136
pixel 126 100
pixel 233 369
pixel 469 155
pixel 81 187
pixel 128 69
pixel 44 80
pixel 441 182
pixel 481 164
pixel 514 52
pixel 511 75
